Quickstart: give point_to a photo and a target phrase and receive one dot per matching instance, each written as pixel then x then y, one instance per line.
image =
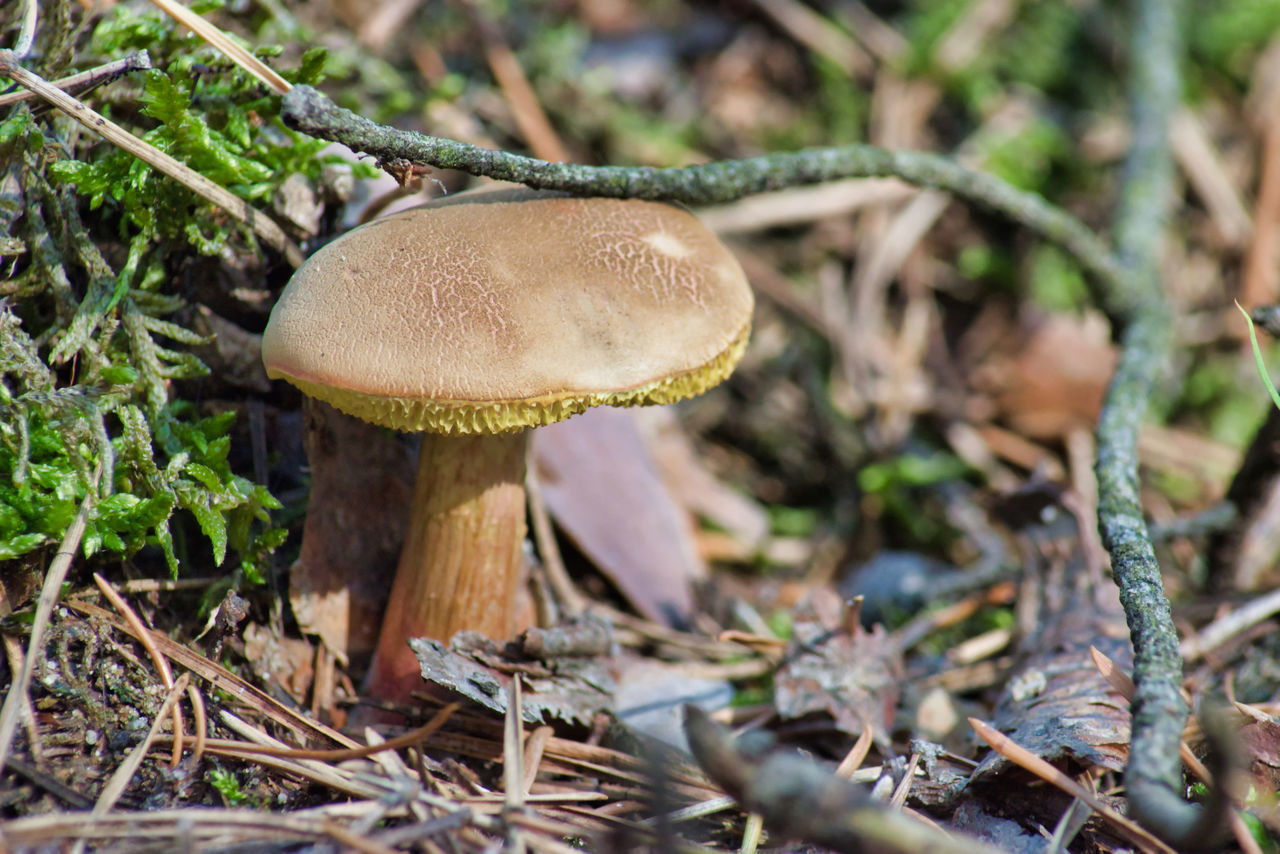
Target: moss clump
pixel 100 252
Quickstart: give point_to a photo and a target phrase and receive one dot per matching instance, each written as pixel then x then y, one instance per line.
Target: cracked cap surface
pixel 497 310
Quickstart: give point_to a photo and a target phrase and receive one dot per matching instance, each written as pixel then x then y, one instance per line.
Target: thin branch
pixel 1229 625
pixel 86 80
pixel 309 111
pixel 1153 777
pixel 799 799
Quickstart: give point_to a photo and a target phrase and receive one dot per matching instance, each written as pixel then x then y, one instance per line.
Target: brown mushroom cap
pixel 498 310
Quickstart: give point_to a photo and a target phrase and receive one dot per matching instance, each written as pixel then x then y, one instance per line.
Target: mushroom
pixel 475 317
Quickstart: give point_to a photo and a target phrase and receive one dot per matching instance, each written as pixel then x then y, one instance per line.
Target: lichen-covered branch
pixel 1153 778
pixel 307 110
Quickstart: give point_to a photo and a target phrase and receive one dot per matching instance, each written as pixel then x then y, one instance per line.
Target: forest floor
pixel 881 529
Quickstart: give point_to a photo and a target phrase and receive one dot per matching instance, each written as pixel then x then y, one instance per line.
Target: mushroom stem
pixel 463 554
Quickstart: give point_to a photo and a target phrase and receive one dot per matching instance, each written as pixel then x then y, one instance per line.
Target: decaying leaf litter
pixel 913 424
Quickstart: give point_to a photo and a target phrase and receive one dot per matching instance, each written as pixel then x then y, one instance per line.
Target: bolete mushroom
pixel 478 316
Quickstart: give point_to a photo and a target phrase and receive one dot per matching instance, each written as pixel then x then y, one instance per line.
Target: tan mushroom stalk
pixel 478 316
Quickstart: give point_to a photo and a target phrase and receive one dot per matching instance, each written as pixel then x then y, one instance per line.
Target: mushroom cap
pixel 497 310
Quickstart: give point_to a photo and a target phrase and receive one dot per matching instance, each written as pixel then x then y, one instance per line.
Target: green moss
pixel 1229 33
pixel 1056 282
pixel 91 351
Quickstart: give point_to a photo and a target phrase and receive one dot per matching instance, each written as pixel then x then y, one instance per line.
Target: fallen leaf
pixel 1054 379
pixel 1259 740
pixel 695 487
pixel 573 690
pixel 848 672
pixel 287 662
pixel 602 487
pixel 652 694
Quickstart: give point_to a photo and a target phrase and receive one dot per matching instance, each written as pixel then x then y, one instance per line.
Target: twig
pixel 1204 170
pixel 752 833
pixel 525 108
pixel 815 32
pixel 157 585
pixel 307 110
pixel 261 224
pixel 1122 684
pixel 49 783
pixel 903 788
pixel 702 809
pixel 334 776
pixel 409 739
pixel 570 602
pixel 1259 282
pixel 356 842
pixel 157 658
pixel 798 799
pixel 1229 625
pixel 803 205
pixel 188 827
pixel 1153 776
pixel 13 652
pixel 16 698
pixel 396 770
pixel 513 764
pixel 85 80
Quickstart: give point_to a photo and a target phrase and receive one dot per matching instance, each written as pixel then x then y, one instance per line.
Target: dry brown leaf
pixel 850 673
pixel 652 694
pixel 287 662
pixel 1055 378
pixel 689 480
pixel 1056 704
pixel 1259 740
pixel 602 487
pixel 573 690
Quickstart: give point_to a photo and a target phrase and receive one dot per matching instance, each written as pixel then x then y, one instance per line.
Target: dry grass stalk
pixel 223 42
pixel 856 756
pixel 157 658
pixel 16 700
pixel 223 679
pixel 125 772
